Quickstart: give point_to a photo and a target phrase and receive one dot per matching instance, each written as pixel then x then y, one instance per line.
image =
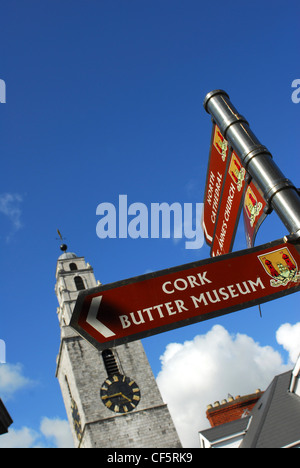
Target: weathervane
pixel 63 246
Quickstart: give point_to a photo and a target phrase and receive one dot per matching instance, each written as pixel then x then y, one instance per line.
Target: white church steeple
pixel 72 275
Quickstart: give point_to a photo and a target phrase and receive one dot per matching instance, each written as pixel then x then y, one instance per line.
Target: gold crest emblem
pixel 220 143
pixel 281 266
pixel 237 172
pixel 252 206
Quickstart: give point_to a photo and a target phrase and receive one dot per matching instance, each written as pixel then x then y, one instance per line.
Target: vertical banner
pixel 230 207
pixel 254 212
pixel 218 160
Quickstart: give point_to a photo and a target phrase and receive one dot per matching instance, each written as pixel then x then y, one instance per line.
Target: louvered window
pixel 110 362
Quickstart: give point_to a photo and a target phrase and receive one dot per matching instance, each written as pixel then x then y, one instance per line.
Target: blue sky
pixel 106 98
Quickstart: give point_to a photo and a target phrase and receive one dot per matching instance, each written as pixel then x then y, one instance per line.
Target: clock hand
pixel 116 394
pixel 111 396
pixel 124 396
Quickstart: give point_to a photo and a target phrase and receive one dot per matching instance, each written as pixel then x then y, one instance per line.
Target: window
pixel 79 283
pixel 73 266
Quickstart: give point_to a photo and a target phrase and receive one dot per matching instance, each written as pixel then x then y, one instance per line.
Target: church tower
pixel 111 397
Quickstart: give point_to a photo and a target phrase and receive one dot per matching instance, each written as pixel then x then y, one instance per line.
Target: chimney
pixel 232 409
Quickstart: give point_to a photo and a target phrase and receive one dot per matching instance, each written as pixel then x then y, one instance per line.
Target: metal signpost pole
pixel 278 191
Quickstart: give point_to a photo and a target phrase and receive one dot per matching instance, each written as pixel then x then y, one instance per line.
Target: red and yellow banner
pixel 228 191
pixel 230 207
pixel 254 212
pixel 218 161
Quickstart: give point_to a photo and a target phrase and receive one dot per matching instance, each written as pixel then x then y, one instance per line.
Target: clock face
pixel 76 420
pixel 120 393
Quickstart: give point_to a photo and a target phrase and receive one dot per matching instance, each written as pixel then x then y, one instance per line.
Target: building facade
pixel 5 419
pixel 111 397
pixel 232 409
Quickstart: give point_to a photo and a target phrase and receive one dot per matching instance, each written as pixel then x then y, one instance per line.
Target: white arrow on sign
pixel 94 322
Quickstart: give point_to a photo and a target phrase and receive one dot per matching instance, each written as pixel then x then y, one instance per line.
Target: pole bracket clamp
pixel 282 184
pixel 258 150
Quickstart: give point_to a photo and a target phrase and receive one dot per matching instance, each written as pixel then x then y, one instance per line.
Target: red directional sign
pixel 230 207
pixel 254 211
pixel 157 302
pixel 218 161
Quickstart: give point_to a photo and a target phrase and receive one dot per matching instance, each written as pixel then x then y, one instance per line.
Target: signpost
pixel 157 302
pixel 240 168
pixel 278 191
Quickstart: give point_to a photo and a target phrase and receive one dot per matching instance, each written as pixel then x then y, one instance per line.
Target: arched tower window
pixel 73 266
pixel 110 363
pixel 79 283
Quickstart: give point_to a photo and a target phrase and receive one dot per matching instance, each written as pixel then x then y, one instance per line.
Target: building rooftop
pixel 67 255
pixel 275 418
pixel 274 421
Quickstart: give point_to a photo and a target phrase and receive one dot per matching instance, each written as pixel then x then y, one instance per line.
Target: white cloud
pixel 199 372
pixel 59 431
pixel 10 207
pixel 22 438
pixel 12 379
pixel 289 337
pixel 54 433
